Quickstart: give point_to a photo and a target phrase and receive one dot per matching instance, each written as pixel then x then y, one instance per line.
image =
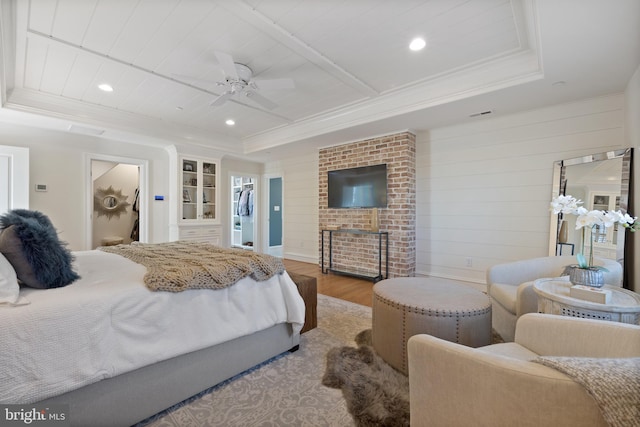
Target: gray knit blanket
pixel 613 383
pixel 182 265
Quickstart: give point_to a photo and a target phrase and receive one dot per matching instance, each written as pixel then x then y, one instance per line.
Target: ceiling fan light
pixel 417 44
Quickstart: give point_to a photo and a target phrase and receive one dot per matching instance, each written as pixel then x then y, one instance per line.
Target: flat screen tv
pixel 363 187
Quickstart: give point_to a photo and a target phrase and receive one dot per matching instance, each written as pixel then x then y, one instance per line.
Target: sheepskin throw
pixel 182 265
pixel 376 394
pixel 613 383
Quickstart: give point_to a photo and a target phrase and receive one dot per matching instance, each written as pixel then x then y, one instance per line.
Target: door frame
pixel 257 200
pixel 265 206
pixel 143 183
pixel 18 178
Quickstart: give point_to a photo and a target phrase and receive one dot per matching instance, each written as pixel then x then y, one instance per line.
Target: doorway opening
pixel 244 211
pixel 116 194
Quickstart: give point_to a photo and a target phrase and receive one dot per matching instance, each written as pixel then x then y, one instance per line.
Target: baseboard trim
pixel 300 257
pixel 451 277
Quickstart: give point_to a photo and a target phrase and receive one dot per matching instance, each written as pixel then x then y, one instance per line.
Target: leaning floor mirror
pixel 602 182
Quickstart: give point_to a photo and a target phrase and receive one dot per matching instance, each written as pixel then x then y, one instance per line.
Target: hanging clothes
pixel 136 201
pixel 245 203
pixel 135 231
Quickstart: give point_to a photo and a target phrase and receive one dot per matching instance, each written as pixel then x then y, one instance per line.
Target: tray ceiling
pixel 349 61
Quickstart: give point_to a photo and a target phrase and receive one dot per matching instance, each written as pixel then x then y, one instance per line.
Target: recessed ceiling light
pixel 230 122
pixel 105 87
pixel 417 44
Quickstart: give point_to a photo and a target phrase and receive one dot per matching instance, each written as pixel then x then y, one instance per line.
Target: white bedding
pixel 108 323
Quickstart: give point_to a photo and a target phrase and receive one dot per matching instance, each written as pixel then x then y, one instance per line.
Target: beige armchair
pixel 510 287
pixel 498 385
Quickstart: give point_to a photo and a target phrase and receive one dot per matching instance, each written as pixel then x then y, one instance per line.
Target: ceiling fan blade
pixel 274 84
pixel 227 64
pixel 221 99
pixel 259 99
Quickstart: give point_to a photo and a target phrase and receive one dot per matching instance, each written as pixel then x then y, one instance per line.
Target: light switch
pixel 276 208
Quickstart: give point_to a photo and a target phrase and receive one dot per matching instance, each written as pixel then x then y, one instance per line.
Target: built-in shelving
pixel 199 215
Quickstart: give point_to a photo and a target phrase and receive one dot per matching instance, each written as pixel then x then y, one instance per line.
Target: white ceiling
pixel 354 74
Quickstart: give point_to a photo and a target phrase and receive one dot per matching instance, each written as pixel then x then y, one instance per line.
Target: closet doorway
pixel 116 189
pixel 244 209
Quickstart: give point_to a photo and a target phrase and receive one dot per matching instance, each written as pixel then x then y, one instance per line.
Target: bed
pixel 117 352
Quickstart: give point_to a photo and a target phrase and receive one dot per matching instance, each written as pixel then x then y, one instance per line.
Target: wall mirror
pixel 110 202
pixel 601 181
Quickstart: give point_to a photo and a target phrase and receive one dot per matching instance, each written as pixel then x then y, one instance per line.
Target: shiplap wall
pixel 300 205
pixel 483 188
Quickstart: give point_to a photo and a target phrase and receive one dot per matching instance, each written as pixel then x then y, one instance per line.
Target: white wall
pixel 300 205
pixel 484 187
pixel 58 160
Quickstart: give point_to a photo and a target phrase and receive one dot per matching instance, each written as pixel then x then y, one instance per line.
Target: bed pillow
pixel 9 288
pixel 30 242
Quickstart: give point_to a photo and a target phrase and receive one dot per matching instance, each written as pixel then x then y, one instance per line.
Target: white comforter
pixel 108 323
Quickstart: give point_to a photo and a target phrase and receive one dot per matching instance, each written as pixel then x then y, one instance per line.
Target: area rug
pixel 376 394
pixel 285 391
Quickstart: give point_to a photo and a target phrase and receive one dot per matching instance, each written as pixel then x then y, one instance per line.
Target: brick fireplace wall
pixel 359 253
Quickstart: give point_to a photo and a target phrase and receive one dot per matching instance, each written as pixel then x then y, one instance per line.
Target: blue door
pixel 275 211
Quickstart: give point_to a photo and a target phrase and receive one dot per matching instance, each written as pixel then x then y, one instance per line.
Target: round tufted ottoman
pixel 406 306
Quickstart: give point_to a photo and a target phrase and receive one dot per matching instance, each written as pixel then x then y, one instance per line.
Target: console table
pixel 553 298
pixel 375 278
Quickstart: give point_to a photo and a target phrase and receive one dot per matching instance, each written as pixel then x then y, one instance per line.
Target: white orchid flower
pixel 628 219
pixel 570 205
pixel 589 219
pixel 611 217
pixel 565 204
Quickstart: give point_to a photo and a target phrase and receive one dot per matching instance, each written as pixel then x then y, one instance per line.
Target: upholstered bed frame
pixel 134 396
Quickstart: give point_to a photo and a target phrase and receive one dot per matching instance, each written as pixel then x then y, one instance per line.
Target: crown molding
pixel 117 124
pixel 516 69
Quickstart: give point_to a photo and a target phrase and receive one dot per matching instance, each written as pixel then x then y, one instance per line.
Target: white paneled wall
pixel 300 205
pixel 483 188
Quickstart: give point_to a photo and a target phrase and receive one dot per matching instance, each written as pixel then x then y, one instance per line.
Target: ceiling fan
pixel 239 82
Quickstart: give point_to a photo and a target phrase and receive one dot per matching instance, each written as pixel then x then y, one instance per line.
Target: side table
pixel 553 298
pixel 308 288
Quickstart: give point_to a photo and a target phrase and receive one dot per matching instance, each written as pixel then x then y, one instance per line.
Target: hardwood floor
pixel 347 288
